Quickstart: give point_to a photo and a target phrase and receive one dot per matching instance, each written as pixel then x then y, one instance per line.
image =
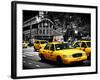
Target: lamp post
pixel 30 42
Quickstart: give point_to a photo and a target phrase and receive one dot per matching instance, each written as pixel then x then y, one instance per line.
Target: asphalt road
pixel 31 60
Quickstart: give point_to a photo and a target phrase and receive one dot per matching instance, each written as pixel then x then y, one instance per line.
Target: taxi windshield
pixel 62 46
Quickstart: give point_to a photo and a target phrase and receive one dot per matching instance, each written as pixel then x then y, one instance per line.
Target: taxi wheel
pixel 59 61
pixel 42 57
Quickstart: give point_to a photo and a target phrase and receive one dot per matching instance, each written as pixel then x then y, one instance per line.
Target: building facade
pixel 38 28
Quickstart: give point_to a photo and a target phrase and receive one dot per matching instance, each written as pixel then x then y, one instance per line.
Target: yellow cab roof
pixel 84 41
pixel 56 42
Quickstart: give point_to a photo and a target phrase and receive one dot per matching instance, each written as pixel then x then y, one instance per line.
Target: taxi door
pixel 46 50
pixel 51 54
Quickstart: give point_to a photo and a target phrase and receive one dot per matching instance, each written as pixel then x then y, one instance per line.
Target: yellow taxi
pixel 62 53
pixel 24 44
pixel 84 45
pixel 38 44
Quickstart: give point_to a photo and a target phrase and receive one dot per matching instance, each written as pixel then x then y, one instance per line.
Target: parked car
pixel 84 45
pixel 38 44
pixel 62 53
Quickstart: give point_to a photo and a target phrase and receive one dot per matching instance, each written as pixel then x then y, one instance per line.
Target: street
pixel 31 60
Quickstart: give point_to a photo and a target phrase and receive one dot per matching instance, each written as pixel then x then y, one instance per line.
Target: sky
pixel 29 14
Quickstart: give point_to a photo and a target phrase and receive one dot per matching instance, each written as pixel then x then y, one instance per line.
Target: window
pixel 44 31
pixel 51 32
pixel 47 47
pixel 52 47
pixel 63 46
pixel 88 44
pixel 47 31
pixel 77 44
pixel 40 31
pixel 83 45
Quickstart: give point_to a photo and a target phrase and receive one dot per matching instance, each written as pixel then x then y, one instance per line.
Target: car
pixel 84 45
pixel 62 53
pixel 24 44
pixel 38 44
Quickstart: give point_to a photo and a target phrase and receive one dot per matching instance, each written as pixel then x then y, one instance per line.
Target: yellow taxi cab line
pixel 70 60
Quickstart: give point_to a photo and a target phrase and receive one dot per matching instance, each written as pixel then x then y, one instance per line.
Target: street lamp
pixel 76 31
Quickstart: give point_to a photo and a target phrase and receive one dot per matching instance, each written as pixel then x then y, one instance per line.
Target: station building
pixel 39 27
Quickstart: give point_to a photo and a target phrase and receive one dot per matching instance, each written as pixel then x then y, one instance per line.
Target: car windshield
pixel 62 46
pixel 88 44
